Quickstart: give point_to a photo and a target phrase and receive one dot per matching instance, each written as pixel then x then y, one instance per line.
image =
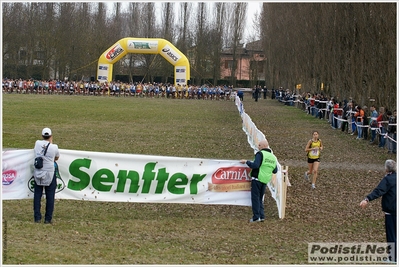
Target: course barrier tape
pixel 278 185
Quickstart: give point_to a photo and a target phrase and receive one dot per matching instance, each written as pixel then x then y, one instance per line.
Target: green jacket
pixel 268 167
pixel 264 165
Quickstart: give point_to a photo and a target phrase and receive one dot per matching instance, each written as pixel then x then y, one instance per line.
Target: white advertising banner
pixel 180 73
pixel 103 72
pixel 99 176
pixel 142 46
pixel 118 177
pixel 17 171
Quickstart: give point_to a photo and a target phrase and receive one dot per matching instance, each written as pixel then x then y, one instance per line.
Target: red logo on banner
pixel 9 177
pixel 114 52
pixel 231 175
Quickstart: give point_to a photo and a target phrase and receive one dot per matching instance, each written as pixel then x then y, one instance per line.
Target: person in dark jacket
pixel 265 92
pixel 387 190
pixel 240 94
pixel 263 167
pixel 256 93
pixel 345 116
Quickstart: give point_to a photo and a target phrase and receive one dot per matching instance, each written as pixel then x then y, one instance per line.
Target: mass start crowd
pixel 116 88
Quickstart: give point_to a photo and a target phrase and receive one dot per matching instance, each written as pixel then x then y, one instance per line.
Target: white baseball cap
pixel 46 132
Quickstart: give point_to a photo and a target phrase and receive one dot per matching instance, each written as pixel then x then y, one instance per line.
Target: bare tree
pixel 134 24
pixel 15 17
pixel 201 42
pixel 64 32
pixel 255 34
pixel 168 33
pixel 339 49
pixel 168 21
pixel 217 34
pixel 237 23
pixel 148 15
pixel 184 35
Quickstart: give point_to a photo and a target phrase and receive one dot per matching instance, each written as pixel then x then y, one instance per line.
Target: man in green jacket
pixel 263 167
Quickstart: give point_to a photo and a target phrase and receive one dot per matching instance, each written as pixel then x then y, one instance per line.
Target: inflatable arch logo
pixel 143 46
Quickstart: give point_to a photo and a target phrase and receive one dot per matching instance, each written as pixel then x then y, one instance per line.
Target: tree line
pixel 68 38
pixel 339 49
pixel 345 50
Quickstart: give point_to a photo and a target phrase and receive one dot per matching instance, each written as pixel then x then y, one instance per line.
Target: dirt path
pixel 334 165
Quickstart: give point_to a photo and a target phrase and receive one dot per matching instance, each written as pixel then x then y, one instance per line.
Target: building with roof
pixel 250 63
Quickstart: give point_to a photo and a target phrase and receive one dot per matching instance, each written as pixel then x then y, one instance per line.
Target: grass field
pixel 136 233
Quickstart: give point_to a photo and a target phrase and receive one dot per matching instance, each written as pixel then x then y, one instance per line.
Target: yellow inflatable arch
pixel 143 46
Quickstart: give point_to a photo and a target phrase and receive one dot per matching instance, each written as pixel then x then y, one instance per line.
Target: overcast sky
pixel 253 7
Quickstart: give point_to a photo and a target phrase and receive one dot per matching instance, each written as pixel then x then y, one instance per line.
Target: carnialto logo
pixel 114 52
pixel 231 175
pixel 230 179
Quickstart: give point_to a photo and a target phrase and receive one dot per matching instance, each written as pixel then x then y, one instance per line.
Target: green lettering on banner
pixel 103 176
pixel 176 180
pixel 194 182
pixel 104 179
pixel 84 178
pixel 162 177
pixel 148 177
pixel 133 176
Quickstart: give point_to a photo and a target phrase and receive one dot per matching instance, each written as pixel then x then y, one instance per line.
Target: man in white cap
pixel 45 177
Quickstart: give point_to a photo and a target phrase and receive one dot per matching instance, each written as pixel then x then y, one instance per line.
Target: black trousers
pixel 344 126
pixel 390 230
pixel 50 195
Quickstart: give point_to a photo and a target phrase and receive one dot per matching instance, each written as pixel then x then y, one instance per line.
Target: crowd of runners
pixel 118 89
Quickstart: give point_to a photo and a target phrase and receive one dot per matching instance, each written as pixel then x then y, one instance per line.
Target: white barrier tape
pixel 371 118
pixel 385 135
pixel 365 126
